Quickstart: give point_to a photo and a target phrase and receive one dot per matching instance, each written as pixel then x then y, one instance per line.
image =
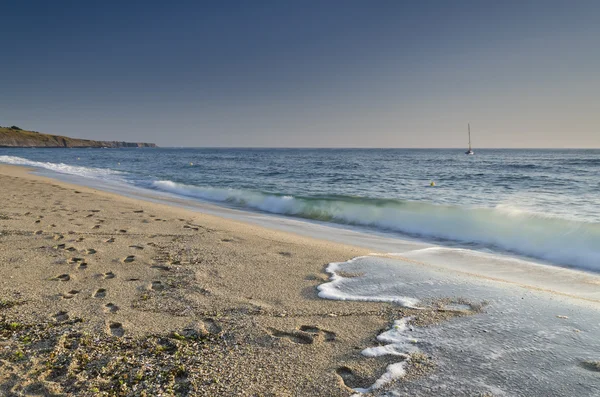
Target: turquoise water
pixel 541 204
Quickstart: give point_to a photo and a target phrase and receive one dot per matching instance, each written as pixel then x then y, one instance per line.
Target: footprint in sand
pixel 129 259
pixel 62 277
pixel 109 275
pixel 90 251
pixel 38 221
pixel 82 266
pixel 90 215
pixel 59 247
pixel 211 326
pixel 61 316
pixel 138 211
pixel 70 294
pixel 327 335
pixel 111 308
pixel 204 327
pixel 137 247
pixel 110 240
pixel 80 239
pixel 38 232
pixel 349 378
pixel 157 286
pixel 96 227
pixel 122 231
pixel 75 260
pixel 294 337
pixel 71 249
pixel 100 293
pixel 116 329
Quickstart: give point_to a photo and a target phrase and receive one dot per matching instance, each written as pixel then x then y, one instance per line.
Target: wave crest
pixel 63 168
pixel 565 242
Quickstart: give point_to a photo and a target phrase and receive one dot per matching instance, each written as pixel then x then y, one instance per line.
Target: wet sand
pixel 107 295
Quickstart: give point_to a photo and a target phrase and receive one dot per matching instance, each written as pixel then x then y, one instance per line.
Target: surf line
pixel 526 286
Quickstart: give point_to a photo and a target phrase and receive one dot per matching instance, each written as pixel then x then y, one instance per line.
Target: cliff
pixel 15 137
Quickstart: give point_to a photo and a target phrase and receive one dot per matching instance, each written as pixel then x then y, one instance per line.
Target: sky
pixel 326 73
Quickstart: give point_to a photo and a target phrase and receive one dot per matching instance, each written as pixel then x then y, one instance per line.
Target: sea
pixel 524 217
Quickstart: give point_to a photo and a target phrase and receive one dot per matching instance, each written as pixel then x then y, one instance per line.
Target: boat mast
pixel 469 127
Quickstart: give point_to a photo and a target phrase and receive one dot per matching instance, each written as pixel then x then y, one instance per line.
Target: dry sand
pixel 106 295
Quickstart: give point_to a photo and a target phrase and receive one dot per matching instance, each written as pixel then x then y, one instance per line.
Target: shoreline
pixel 180 302
pixel 91 264
pixel 503 267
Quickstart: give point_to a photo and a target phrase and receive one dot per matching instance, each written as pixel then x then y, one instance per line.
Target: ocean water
pixel 540 204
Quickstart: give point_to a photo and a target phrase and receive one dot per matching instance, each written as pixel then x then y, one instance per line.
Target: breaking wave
pixel 88 172
pixel 560 241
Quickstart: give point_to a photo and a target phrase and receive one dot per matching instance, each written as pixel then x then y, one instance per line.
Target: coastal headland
pixel 16 137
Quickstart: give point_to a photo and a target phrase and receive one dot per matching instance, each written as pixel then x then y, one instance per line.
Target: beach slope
pixel 103 293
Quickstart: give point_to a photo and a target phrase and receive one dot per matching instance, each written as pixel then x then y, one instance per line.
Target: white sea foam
pixel 397 340
pixel 524 342
pixel 399 343
pixel 62 168
pixel 560 241
pixel 333 289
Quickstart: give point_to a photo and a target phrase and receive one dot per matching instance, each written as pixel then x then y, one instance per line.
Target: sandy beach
pixel 107 295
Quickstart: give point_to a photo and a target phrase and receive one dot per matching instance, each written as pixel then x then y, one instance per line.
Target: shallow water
pixel 524 342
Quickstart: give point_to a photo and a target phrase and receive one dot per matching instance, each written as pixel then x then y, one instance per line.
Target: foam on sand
pixel 88 172
pixel 335 289
pixel 525 341
pixel 398 344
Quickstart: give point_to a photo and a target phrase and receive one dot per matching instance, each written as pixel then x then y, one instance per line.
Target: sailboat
pixel 469 151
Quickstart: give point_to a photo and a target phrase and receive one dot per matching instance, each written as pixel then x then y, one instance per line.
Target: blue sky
pixel 309 74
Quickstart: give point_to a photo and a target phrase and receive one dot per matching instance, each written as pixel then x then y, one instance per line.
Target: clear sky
pixel 327 73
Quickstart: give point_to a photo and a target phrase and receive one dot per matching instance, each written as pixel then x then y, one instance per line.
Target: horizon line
pixel 372 147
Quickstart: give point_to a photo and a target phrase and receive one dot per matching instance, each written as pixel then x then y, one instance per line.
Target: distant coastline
pixel 17 137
